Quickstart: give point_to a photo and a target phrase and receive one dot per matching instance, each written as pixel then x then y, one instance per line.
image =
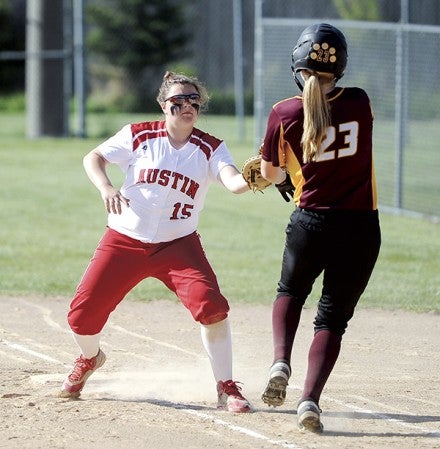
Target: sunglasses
pixel 181 98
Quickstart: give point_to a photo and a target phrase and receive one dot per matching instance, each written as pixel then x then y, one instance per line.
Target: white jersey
pixel 166 187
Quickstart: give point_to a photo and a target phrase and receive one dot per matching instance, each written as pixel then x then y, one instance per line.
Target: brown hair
pixel 172 78
pixel 316 115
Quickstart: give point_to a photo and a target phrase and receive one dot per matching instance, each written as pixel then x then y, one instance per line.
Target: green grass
pixel 420 165
pixel 52 218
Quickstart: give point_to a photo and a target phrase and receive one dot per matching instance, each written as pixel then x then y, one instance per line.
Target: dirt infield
pixel 156 389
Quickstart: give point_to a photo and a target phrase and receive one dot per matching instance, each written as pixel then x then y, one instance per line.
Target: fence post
pixel 401 102
pixel 44 74
pixel 79 65
pixel 258 72
pixel 33 68
pixel 238 69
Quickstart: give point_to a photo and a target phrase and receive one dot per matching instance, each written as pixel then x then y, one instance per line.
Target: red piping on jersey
pixel 151 130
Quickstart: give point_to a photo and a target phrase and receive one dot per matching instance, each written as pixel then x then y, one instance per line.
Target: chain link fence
pixel 394 59
pixel 396 64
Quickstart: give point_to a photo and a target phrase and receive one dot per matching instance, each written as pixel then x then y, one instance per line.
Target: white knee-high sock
pixel 89 344
pixel 217 340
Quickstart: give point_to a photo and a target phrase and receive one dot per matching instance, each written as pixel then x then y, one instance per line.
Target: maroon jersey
pixel 342 177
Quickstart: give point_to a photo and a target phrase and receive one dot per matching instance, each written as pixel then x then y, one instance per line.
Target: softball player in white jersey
pixel 152 231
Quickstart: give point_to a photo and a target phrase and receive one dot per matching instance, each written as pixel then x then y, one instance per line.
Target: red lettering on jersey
pixel 192 189
pixel 177 177
pixel 185 183
pixel 164 177
pixel 152 175
pixel 141 178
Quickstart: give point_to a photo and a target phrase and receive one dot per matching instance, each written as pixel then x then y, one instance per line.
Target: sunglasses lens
pixel 176 99
pixel 180 99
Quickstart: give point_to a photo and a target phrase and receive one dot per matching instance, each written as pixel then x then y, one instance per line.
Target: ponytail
pixel 316 118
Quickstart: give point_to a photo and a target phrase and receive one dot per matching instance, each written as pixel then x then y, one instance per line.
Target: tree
pixel 139 36
pixel 358 9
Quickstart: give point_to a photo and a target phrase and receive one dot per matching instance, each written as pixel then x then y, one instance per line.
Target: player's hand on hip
pixel 113 200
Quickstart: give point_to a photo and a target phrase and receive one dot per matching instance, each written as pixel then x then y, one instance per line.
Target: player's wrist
pixel 104 186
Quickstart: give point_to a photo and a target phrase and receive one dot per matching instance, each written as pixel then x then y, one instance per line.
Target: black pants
pixel 342 244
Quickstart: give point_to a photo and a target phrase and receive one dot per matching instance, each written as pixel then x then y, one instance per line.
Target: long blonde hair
pixel 316 114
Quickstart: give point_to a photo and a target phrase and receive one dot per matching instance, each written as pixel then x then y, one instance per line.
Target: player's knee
pixel 209 308
pixel 213 319
pixel 84 324
pixel 332 321
pixel 335 327
pixel 293 298
pixel 334 315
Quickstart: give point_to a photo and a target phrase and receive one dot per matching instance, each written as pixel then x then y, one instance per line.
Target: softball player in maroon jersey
pixel 152 222
pixel 318 149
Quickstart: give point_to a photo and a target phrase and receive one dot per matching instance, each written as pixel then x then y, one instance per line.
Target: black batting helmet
pixel 321 48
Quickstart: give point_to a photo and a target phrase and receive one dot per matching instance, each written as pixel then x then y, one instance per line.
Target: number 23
pixel 351 130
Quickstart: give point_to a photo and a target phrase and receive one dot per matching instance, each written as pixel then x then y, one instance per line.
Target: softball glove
pixel 251 172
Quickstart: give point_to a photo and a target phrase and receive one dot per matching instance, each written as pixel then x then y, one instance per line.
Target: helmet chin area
pixel 306 73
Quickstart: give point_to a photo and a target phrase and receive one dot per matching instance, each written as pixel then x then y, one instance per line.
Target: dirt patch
pixel 156 389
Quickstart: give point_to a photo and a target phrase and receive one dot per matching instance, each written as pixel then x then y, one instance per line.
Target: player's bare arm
pixel 232 179
pixel 95 167
pixel 276 175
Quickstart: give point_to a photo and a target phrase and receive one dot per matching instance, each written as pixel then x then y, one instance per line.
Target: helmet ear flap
pixel 297 81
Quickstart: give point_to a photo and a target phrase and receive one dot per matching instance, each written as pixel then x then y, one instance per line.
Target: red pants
pixel 120 263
